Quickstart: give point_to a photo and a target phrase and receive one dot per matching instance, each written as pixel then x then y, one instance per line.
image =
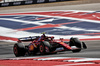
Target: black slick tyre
pixel 44 47
pixel 19 49
pixel 75 42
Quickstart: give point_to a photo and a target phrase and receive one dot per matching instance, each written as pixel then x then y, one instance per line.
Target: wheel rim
pixel 41 48
pixel 46 49
pixel 15 50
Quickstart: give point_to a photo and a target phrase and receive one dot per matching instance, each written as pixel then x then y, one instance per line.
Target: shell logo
pixel 31 47
pixel 62 43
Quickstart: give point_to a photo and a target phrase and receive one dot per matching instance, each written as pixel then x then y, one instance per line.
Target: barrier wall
pixel 14 3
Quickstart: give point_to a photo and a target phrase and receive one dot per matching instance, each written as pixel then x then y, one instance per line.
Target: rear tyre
pixel 75 42
pixel 19 49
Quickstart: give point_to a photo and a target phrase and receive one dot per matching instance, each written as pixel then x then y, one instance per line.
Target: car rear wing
pixel 30 38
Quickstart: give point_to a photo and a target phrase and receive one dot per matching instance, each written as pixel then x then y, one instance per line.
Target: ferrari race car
pixel 46 44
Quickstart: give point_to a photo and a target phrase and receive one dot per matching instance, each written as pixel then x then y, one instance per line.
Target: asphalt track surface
pixel 93 51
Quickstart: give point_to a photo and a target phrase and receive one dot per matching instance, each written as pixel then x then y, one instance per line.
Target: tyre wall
pixel 15 3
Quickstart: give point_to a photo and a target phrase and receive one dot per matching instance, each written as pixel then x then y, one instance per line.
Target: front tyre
pixel 19 49
pixel 45 47
pixel 75 42
pixel 42 48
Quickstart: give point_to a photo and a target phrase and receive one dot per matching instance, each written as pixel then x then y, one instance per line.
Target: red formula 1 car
pixel 44 45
